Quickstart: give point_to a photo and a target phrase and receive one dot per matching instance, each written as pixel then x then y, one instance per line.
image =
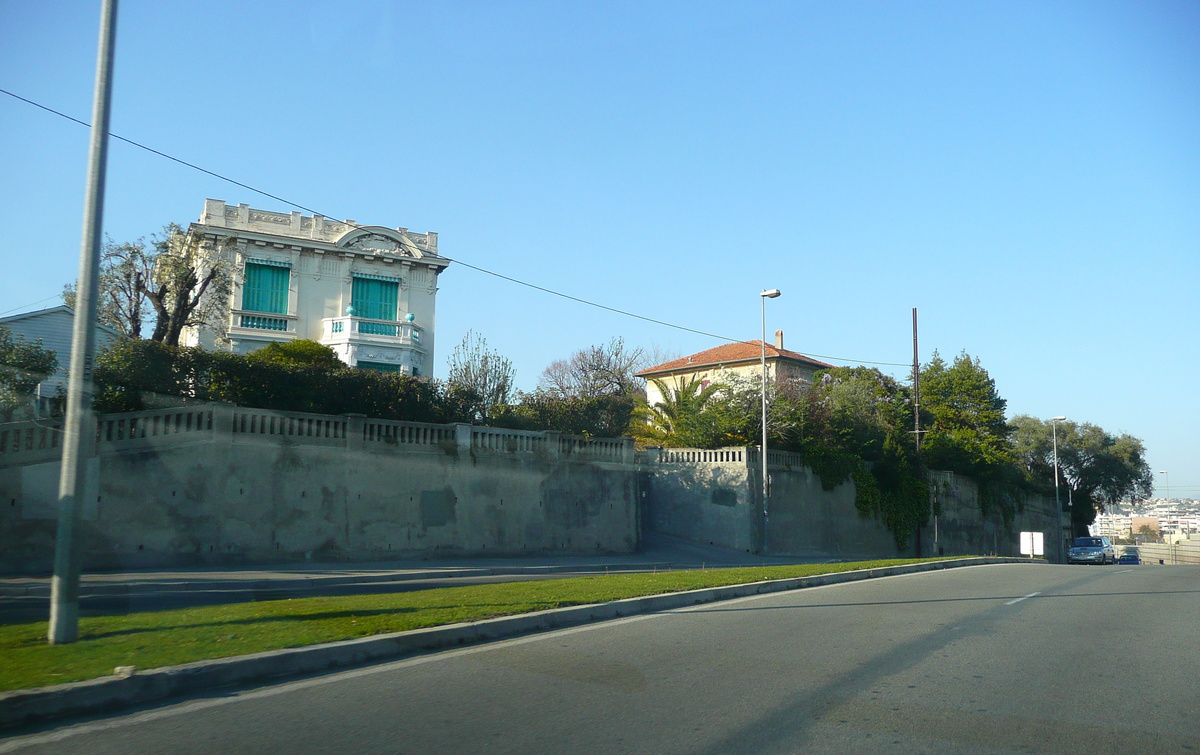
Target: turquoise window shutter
pixel 375 299
pixel 266 288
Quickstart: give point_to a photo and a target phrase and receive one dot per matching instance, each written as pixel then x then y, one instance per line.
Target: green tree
pixel 137 375
pixel 598 416
pixel 476 368
pixel 304 352
pixel 689 416
pixel 1100 468
pixel 22 366
pixel 857 425
pixel 963 415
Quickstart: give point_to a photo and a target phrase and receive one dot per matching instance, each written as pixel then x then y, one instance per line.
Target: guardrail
pixel 1185 552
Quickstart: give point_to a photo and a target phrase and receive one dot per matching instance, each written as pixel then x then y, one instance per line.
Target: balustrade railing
pixel 392 432
pixel 700 456
pixel 124 429
pixel 509 441
pixel 30 442
pixel 36 441
pixel 349 327
pixel 299 427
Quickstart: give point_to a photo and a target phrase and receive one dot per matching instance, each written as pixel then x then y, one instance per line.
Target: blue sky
pixel 1026 174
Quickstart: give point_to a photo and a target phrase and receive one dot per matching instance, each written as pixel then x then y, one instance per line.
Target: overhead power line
pixel 456 260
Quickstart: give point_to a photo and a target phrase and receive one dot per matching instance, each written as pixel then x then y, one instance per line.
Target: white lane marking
pixel 1123 571
pixel 1023 597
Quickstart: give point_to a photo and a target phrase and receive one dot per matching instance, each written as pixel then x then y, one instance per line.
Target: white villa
pixel 367 292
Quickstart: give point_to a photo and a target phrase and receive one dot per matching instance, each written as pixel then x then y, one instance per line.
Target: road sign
pixel 1032 544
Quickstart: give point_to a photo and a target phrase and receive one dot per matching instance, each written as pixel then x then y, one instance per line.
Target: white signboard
pixel 1032 544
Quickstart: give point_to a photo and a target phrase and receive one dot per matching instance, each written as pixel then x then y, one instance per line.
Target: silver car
pixel 1092 550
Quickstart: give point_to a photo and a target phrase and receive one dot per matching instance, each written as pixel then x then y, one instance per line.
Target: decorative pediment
pixel 379 241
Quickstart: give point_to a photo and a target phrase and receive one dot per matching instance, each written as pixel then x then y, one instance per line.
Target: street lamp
pixel 1168 483
pixel 771 293
pixel 1057 506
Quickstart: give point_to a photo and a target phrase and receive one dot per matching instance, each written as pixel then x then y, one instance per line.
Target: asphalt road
pixel 1009 658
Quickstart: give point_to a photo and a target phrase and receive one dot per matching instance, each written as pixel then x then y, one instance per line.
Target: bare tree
pixel 124 270
pixel 606 370
pixel 182 285
pixel 475 367
pixel 183 274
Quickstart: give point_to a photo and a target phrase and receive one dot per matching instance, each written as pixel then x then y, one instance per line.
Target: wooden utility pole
pixel 916 367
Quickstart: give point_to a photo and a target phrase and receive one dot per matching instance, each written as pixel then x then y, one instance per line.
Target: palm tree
pixel 685 417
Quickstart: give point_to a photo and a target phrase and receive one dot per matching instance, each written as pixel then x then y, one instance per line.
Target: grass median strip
pixel 166 638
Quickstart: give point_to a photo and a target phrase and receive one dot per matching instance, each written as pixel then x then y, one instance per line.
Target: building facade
pixel 367 292
pixel 743 359
pixel 55 328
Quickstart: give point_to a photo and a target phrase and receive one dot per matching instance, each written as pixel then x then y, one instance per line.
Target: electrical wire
pixel 458 261
pixel 32 304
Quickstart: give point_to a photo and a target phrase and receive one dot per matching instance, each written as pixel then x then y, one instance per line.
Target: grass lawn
pixel 166 638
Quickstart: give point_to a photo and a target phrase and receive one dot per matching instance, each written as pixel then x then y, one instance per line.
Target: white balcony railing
pixel 348 328
pixel 241 320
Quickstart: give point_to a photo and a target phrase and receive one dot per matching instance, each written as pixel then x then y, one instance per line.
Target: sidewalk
pixel 28 598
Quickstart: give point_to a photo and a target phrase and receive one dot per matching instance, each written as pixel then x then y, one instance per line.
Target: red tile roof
pixel 743 351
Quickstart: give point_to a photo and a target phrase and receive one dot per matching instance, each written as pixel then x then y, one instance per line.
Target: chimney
pixel 779 339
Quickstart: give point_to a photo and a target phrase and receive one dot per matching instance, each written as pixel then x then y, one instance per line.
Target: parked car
pixel 1092 550
pixel 1130 558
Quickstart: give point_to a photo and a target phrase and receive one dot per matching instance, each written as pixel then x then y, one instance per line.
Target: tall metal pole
pixel 766 489
pixel 916 385
pixel 1057 506
pixel 79 431
pixel 916 376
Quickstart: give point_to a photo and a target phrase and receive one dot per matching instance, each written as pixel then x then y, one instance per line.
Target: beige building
pixel 368 292
pixel 742 359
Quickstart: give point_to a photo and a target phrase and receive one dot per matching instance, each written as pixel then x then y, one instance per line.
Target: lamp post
pixel 771 293
pixel 79 428
pixel 1057 506
pixel 1167 487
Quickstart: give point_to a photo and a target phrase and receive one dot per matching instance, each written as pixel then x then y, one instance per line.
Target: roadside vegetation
pixel 168 638
pixel 852 424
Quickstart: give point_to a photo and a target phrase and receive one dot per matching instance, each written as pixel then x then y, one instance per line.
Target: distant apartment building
pixel 367 292
pixel 1111 526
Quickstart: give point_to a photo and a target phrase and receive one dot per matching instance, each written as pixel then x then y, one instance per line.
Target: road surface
pixel 1008 658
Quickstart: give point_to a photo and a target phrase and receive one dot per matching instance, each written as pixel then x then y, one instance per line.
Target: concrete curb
pixel 111 693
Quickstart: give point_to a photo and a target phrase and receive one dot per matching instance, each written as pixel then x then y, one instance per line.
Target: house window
pixel 266 290
pixel 375 298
